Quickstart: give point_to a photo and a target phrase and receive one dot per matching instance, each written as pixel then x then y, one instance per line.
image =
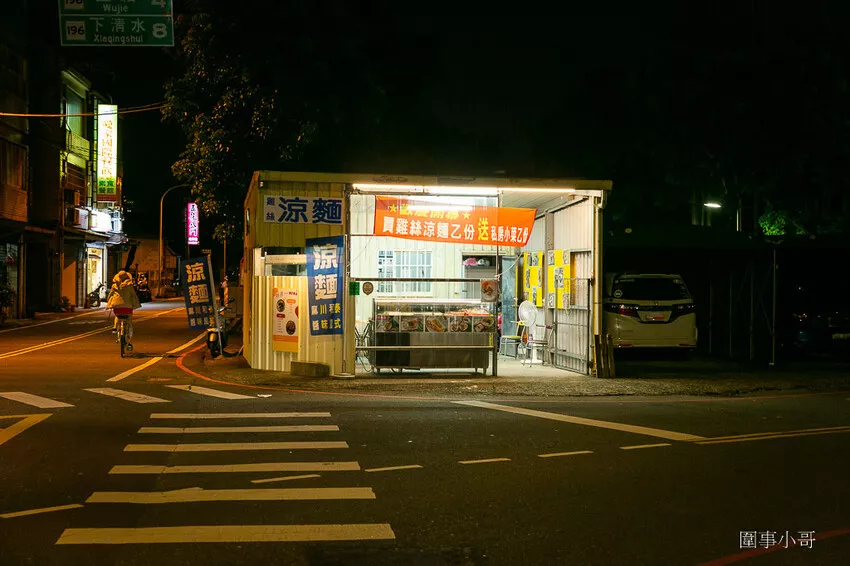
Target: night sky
pixel 637 92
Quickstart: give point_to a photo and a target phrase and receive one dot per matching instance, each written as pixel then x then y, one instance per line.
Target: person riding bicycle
pixel 122 300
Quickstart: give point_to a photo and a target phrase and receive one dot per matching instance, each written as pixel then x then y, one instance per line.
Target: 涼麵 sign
pixel 430 220
pixel 325 262
pixel 198 292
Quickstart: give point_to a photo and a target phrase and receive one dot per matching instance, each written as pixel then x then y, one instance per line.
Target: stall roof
pixel 371 182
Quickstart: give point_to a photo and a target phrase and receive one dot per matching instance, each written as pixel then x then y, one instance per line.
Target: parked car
pixel 649 310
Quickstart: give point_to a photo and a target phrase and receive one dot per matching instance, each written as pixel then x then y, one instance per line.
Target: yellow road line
pixel 187 344
pixel 487 461
pixel 237 415
pixel 58 342
pixel 774 433
pixel 39 511
pixel 208 495
pixel 556 454
pixel 239 468
pixel 26 422
pixel 228 533
pixel 394 468
pixel 287 478
pixel 666 434
pixel 235 446
pixel 771 437
pixel 639 446
pixel 229 429
pixel 138 368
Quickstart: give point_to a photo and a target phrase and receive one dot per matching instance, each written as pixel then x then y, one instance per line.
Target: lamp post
pixel 159 257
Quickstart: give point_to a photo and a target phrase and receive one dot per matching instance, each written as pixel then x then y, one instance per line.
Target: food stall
pixel 421 333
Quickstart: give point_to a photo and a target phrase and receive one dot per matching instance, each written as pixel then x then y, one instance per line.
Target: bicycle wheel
pixel 122 338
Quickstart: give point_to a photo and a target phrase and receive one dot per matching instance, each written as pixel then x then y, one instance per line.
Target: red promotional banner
pixel 435 220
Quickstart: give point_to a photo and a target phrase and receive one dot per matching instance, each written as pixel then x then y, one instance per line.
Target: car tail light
pixel 681 310
pixel 625 310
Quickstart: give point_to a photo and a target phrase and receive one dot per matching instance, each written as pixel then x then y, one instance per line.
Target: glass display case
pixel 433 333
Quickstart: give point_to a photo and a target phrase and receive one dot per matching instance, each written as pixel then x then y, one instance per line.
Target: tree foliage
pixel 262 86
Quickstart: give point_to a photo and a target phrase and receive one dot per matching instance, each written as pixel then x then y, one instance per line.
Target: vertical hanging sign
pixel 325 262
pixel 107 153
pixel 193 223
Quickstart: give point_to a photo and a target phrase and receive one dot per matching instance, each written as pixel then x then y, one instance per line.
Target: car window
pixel 650 289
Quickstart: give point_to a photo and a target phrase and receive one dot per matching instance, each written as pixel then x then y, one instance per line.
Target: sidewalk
pixel 717 378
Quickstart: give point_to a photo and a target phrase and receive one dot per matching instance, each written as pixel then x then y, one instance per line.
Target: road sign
pixel 116 23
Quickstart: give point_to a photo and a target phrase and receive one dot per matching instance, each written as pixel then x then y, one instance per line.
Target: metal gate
pixel 572 330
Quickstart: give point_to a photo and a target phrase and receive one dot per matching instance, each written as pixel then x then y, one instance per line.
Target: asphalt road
pixel 166 474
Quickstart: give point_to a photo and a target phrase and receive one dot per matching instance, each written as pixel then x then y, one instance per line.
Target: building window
pixel 74 105
pixel 404 264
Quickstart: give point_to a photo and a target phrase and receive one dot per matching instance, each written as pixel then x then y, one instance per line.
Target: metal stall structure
pixel 568 217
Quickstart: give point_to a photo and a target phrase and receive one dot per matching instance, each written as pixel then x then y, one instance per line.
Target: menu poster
pixel 558 279
pixel 532 281
pixel 285 320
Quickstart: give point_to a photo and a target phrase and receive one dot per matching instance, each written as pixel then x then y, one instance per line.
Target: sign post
pixel 116 23
pixel 199 293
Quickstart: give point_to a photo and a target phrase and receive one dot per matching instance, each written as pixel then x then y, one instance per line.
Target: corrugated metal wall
pixel 292 235
pixel 322 349
pixel 572 340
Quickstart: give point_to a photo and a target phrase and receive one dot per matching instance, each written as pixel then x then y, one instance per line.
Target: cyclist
pixel 122 300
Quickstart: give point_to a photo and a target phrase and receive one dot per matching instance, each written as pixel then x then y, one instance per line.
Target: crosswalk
pixel 225 477
pixel 189 391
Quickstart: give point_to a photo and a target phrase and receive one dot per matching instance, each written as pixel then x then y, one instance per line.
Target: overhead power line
pixel 128 110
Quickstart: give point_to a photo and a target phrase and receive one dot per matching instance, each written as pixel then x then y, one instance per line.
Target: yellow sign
pixel 559 272
pixel 532 281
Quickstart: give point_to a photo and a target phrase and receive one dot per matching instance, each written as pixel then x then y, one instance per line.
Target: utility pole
pixel 159 257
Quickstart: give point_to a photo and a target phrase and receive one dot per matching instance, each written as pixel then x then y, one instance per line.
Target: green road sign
pixel 116 23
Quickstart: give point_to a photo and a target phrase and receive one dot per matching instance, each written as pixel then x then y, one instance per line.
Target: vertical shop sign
pixel 285 320
pixel 193 224
pixel 107 153
pixel 198 292
pixel 325 262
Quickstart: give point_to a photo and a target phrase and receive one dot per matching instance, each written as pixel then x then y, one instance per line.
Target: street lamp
pixel 712 204
pixel 159 257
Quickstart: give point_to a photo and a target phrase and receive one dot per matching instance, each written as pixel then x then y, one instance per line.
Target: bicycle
pixel 123 315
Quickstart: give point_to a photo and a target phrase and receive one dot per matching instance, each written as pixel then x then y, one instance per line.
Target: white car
pixel 649 310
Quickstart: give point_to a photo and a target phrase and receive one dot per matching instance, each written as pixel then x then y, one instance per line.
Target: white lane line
pixel 487 461
pixel 287 478
pixel 187 344
pixel 229 429
pixel 52 343
pixel 666 434
pixel 234 446
pixel 52 321
pixel 207 495
pixel 209 392
pixel 127 395
pixel 33 400
pixel 639 446
pixel 237 415
pixel 39 511
pixel 228 533
pixel 131 371
pixel 240 468
pixel 557 454
pixel 393 468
